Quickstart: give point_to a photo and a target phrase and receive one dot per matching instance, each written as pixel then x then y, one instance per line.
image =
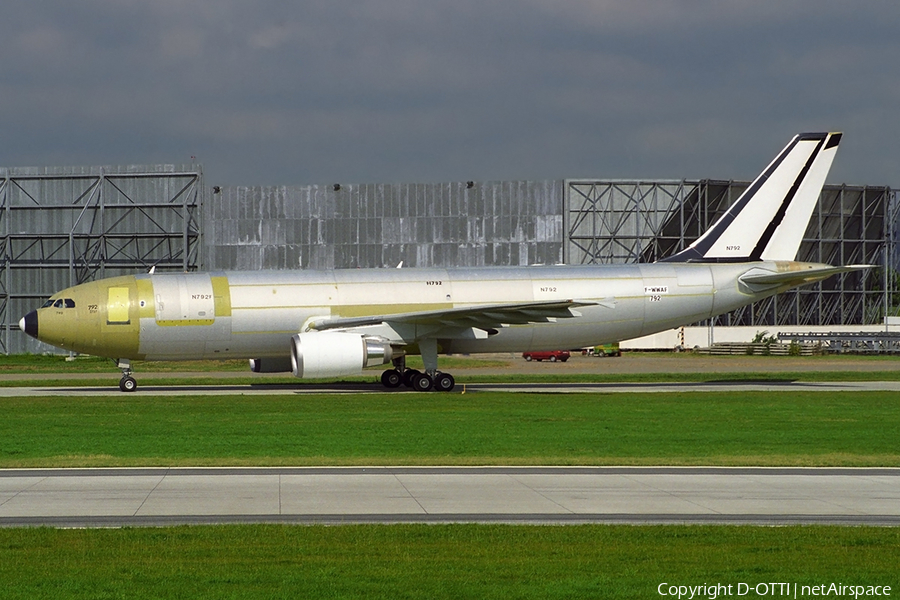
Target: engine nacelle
pixel 336 354
pixel 271 365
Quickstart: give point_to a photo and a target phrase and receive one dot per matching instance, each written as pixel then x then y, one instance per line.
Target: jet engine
pixel 335 354
pixel 271 365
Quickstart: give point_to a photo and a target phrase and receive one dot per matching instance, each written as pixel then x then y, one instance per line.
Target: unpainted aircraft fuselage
pixel 254 314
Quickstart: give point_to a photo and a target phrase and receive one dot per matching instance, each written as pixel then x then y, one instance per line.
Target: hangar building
pixel 60 226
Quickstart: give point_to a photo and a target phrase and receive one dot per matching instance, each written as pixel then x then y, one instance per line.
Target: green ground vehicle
pixel 605 350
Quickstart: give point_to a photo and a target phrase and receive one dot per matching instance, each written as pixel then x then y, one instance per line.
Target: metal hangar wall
pixel 380 225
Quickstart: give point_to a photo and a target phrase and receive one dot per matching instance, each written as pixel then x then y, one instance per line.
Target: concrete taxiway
pixel 165 496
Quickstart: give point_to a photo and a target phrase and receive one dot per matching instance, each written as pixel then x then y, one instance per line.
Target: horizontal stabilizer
pixel 800 277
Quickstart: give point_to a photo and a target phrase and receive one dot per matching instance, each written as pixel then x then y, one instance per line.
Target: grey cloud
pixel 278 92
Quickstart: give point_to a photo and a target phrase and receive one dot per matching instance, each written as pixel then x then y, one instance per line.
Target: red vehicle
pixel 552 356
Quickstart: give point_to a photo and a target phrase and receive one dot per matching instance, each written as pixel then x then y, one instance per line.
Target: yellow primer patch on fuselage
pixel 146 301
pixel 222 295
pixel 118 339
pixel 183 322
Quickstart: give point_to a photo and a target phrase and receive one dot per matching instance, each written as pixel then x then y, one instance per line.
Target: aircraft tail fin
pixel 768 220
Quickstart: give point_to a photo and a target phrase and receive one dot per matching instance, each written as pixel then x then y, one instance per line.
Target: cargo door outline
pixel 184 300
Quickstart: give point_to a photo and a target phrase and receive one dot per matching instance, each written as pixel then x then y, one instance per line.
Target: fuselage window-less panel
pixel 117 306
pixel 185 299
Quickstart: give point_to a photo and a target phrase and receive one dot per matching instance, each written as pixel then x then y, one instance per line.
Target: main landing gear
pixel 421 382
pixel 431 379
pixel 127 383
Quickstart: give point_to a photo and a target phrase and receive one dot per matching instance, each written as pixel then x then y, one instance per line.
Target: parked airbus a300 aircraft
pixel 335 323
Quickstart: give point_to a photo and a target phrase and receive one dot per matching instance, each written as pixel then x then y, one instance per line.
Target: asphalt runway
pixel 548 495
pixel 780 387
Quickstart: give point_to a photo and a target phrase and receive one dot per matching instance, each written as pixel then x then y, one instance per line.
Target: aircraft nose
pixel 29 324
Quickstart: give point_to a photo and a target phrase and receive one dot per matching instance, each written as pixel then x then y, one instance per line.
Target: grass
pixel 736 428
pixel 434 561
pixel 445 561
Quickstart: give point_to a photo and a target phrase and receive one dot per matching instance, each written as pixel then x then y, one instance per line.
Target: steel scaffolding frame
pixel 621 221
pixel 613 221
pixel 63 228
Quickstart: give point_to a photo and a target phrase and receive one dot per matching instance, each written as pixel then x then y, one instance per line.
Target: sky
pixel 276 92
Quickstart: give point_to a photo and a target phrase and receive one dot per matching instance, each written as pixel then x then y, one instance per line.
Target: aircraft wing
pixel 801 277
pixel 485 317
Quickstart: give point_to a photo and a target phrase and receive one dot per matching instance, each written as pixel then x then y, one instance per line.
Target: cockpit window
pixel 59 303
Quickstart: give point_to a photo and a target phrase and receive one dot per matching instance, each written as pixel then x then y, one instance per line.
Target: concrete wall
pixel 702 337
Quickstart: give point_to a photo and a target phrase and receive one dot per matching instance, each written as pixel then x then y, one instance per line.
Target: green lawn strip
pixel 436 561
pixel 735 428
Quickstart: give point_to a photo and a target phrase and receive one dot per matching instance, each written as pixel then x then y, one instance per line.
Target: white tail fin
pixel 769 219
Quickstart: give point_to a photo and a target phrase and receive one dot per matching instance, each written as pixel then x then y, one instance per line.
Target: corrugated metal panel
pixel 378 225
